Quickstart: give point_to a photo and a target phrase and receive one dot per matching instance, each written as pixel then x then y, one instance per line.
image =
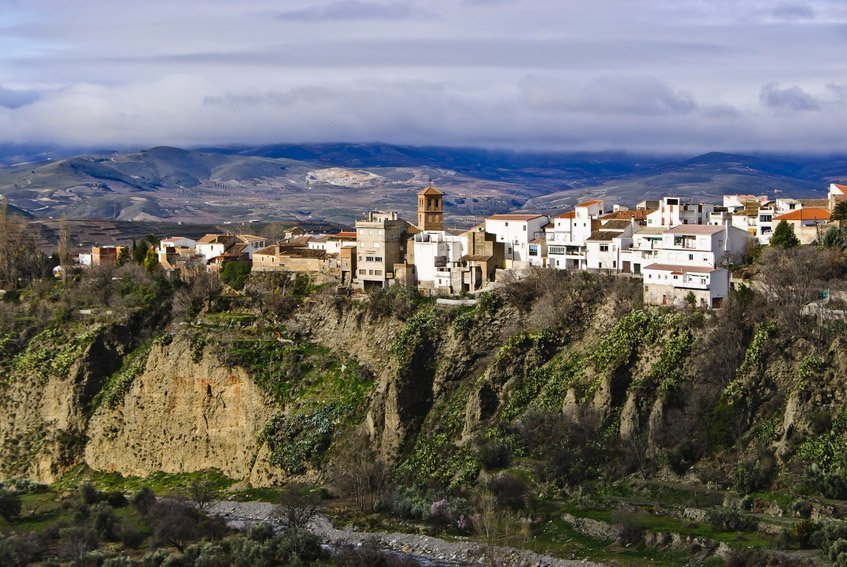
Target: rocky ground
pixel 428 550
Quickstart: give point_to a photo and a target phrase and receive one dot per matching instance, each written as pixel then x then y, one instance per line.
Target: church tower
pixel 430 209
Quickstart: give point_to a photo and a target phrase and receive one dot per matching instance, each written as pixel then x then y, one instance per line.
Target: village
pixel 681 250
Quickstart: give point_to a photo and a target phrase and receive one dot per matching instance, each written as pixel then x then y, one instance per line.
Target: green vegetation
pixel 783 236
pixel 235 273
pixel 113 391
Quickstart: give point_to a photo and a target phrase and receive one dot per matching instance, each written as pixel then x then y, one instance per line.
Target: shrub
pixel 509 490
pixel 10 505
pixel 783 236
pixel 630 527
pixel 803 531
pixel 116 499
pixel 495 454
pixel 20 548
pixel 730 520
pixel 234 274
pixel 802 509
pixel 754 475
pixel 144 500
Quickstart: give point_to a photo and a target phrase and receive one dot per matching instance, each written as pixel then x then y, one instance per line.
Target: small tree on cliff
pixel 784 237
pixel 10 505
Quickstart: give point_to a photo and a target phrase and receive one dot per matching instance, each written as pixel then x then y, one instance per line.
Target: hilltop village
pixel 681 250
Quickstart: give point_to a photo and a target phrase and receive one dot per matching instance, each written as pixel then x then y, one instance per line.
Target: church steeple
pixel 430 209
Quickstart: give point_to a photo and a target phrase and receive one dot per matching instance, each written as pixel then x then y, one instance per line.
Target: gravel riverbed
pixel 428 550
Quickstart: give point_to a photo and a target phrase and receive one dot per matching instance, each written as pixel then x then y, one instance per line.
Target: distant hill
pixel 339 182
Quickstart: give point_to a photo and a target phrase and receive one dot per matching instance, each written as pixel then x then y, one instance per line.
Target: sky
pixel 652 76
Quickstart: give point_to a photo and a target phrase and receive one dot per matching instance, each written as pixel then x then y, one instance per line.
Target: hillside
pixel 339 182
pixel 698 425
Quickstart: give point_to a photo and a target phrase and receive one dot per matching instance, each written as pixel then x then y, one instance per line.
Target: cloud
pixel 608 95
pixel 792 98
pixel 346 10
pixel 794 12
pixel 663 75
pixel 12 98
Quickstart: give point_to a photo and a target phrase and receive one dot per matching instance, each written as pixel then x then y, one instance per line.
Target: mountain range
pixel 339 182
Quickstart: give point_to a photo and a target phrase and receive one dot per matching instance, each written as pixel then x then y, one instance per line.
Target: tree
pixel 784 237
pixel 234 274
pixel 65 248
pixel 839 212
pixel 298 504
pixel 202 493
pixel 151 260
pixel 359 472
pixel 10 505
pixel 834 237
pixel 175 524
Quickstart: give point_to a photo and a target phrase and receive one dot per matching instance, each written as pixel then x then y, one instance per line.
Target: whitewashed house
pixel 674 211
pixel 437 255
pixel 566 238
pixel 516 231
pixel 697 286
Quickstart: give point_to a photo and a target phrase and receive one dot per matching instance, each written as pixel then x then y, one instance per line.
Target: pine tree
pixel 783 236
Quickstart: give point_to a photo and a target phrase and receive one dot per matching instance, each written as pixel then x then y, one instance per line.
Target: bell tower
pixel 430 209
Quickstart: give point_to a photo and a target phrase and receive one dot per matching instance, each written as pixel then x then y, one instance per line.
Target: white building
pixel 516 231
pixel 174 244
pixel 674 211
pixel 252 243
pixel 566 238
pixel 686 263
pixel 437 254
pixel 607 248
pixel 333 243
pixel 676 285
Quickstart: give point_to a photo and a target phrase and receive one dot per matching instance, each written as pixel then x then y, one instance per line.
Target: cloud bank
pixel 652 76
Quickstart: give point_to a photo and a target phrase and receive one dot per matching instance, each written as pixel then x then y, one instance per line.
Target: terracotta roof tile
pixel 808 213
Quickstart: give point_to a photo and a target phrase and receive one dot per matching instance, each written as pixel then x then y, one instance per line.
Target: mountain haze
pixel 338 182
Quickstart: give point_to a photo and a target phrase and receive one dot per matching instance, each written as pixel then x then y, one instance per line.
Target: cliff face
pixel 667 390
pixel 179 416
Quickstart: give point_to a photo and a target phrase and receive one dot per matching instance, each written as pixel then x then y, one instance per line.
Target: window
pixel 691 256
pixel 376 244
pixel 378 272
pixel 507 223
pixel 524 228
pixel 604 248
pixel 362 272
pixel 377 258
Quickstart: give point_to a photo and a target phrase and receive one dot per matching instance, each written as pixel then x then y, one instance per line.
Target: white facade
pixel 668 284
pixel 174 242
pixel 436 252
pixel 252 243
pixel 516 231
pixel 566 239
pixel 674 211
pixel 608 250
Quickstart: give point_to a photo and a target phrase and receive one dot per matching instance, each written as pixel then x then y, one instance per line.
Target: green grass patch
pixel 158 482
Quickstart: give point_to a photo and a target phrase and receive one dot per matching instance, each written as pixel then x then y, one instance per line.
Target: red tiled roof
pixel 567 215
pixel 637 214
pixel 589 203
pixel 514 217
pixel 808 213
pixel 430 191
pixel 842 188
pixel 344 235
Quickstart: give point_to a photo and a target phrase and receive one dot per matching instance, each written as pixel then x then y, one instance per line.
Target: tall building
pixel 380 248
pixel 430 209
